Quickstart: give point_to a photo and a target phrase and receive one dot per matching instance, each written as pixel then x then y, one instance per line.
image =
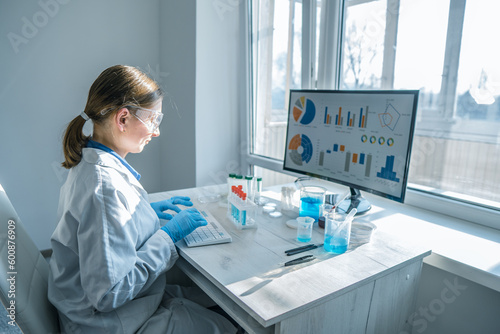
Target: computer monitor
pixel 358 138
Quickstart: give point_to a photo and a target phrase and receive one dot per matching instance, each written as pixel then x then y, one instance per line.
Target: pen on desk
pixel 301 249
pixel 302 259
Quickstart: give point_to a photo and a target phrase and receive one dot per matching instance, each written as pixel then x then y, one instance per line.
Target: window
pixel 277 64
pixel 444 48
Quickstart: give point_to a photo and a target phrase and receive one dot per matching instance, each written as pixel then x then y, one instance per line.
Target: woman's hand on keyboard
pixel 170 204
pixel 184 223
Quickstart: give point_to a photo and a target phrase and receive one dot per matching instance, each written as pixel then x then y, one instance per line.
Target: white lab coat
pixel 110 258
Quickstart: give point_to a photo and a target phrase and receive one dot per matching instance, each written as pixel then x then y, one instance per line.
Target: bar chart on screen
pixel 348 158
pixel 387 172
pixel 354 119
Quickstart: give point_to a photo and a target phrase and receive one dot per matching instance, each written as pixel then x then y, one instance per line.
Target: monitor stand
pixel 356 200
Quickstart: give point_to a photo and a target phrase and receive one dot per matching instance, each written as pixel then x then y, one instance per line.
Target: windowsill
pixel 458 246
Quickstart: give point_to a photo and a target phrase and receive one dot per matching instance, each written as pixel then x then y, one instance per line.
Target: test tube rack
pixel 240 210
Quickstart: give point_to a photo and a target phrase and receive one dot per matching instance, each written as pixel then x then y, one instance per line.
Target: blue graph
pixel 388 172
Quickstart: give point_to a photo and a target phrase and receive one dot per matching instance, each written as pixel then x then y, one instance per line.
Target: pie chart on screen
pixel 300 149
pixel 304 110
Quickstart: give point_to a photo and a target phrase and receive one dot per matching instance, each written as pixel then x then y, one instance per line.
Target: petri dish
pixel 292 223
pixel 362 228
pixel 209 199
pixel 268 208
pixel 361 232
pixel 275 214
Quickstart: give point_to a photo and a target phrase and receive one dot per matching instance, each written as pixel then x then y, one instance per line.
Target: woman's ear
pixel 121 118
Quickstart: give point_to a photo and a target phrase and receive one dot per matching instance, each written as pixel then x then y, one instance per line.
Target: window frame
pixel 421 198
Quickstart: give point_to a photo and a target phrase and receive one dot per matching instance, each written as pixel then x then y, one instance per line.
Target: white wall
pixel 178 64
pixel 221 66
pixel 45 82
pixel 202 65
pixel 59 48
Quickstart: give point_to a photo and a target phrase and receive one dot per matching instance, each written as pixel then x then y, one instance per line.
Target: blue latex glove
pixel 184 223
pixel 169 204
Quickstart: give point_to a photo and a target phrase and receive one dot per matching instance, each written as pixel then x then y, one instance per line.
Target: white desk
pixel 369 289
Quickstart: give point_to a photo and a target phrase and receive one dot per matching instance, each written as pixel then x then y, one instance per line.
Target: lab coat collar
pixel 102 158
pixel 93 144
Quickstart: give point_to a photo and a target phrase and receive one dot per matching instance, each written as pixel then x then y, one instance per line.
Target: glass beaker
pixel 337 232
pixel 312 199
pixel 304 228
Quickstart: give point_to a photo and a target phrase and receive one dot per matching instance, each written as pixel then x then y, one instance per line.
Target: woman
pixel 110 255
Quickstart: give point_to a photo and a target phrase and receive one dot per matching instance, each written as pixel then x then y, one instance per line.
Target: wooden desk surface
pixel 250 270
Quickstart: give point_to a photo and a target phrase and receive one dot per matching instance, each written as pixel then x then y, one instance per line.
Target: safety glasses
pixel 150 118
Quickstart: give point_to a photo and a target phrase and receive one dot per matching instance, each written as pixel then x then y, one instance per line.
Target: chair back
pixel 24 275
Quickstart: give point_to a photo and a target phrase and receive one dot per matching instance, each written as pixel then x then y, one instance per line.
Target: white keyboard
pixel 212 233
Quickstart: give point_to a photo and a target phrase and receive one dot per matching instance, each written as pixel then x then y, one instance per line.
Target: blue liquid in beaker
pixel 304 238
pixel 337 245
pixel 310 207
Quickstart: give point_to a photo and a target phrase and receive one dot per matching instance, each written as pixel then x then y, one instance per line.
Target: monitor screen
pixel 358 138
